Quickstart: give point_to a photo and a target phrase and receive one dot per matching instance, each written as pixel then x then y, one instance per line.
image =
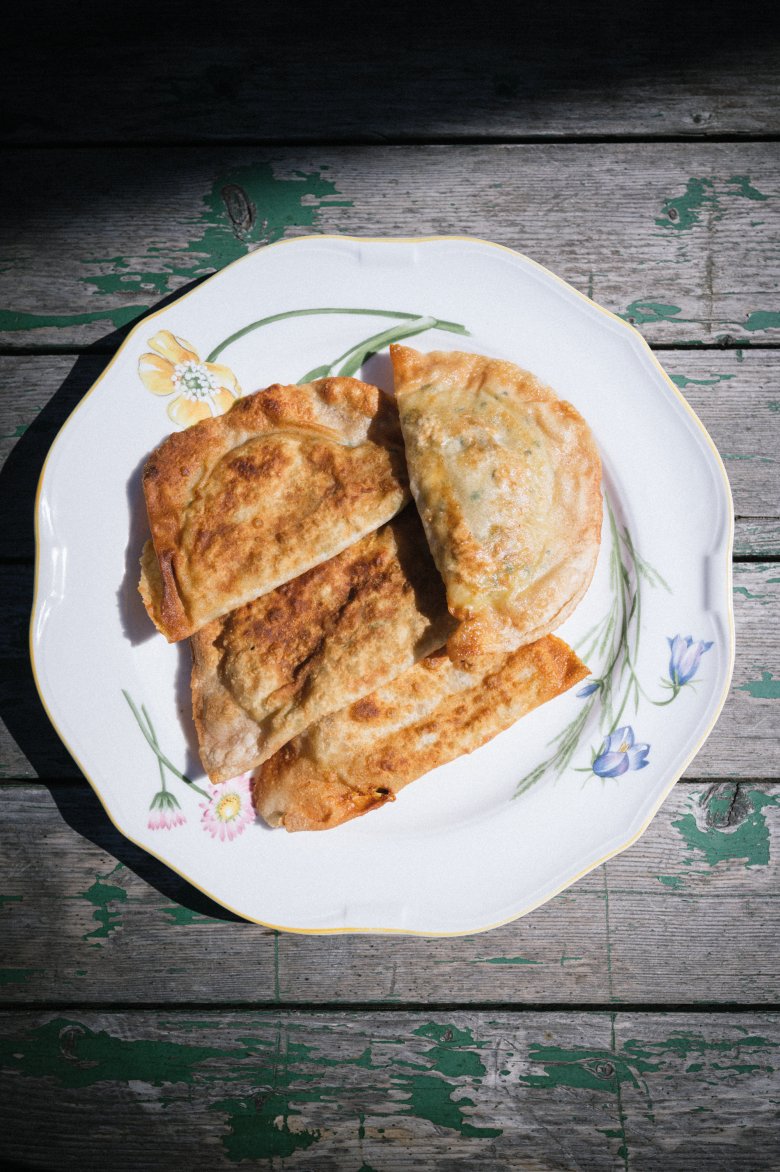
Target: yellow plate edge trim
pixel 142 325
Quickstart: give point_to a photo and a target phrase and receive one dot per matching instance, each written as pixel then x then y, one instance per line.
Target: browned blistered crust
pixel 287 478
pixel 361 757
pixel 269 669
pixel 507 480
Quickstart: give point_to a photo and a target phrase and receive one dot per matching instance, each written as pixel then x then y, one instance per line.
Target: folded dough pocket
pixel 242 503
pixel 507 480
pixel 361 757
pixel 269 669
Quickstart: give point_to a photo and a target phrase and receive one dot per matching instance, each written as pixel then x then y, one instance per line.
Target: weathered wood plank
pixel 283 73
pixel 742 414
pixel 751 715
pixel 756 538
pixel 681 238
pixel 393 1091
pixel 744 743
pixel 88 917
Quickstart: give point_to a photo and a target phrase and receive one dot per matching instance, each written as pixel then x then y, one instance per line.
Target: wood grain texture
pixel 419 1071
pixel 744 743
pixel 285 73
pixel 680 238
pixel 691 906
pixel 756 538
pixel 436 1089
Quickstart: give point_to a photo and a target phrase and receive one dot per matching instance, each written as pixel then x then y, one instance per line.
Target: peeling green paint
pixel 682 381
pixel 580 1068
pixel 124 279
pixel 447 1056
pixel 12 320
pixel 762 319
pixel 264 1124
pixel 260 1128
pixel 430 1097
pixel 607 1071
pixel 643 312
pixel 244 208
pixel 767 688
pixel 673 881
pixel 77 1056
pixel 645 1056
pixel 102 894
pixel 10 899
pixel 774 404
pixel 740 456
pixel 17 976
pixel 712 836
pixel 743 590
pixel 17 433
pixel 268 1123
pixel 683 212
pixel 743 187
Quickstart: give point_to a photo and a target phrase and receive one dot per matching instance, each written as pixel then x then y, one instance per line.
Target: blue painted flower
pixel 685 659
pixel 589 689
pixel 619 754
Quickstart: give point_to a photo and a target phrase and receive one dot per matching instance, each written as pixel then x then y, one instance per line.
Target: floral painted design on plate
pixel 490 835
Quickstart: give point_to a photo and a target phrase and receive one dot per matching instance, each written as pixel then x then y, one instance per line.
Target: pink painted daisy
pixel 165 812
pixel 230 810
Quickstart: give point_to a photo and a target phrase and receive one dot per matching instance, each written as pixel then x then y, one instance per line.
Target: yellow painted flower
pixel 202 389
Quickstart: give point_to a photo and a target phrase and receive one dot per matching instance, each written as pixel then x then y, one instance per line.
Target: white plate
pixel 492 835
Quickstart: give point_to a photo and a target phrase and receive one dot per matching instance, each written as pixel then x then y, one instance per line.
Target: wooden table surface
pixel 631 1022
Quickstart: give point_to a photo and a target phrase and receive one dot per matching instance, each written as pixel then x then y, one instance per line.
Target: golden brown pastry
pixel 239 504
pixel 359 758
pixel 507 479
pixel 269 669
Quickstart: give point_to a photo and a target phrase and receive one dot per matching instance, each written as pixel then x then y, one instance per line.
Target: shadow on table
pixel 278 71
pixel 82 811
pixel 20 705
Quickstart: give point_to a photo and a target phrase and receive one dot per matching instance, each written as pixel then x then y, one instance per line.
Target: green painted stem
pixel 153 735
pixel 158 753
pixel 676 689
pixel 378 342
pixel 617 637
pixel 326 369
pixel 450 326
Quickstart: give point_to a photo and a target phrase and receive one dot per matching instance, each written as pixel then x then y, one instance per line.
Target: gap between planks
pixel 383 1008
pixel 378 139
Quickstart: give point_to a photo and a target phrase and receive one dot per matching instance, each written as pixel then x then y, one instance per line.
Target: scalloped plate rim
pixel 644 818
